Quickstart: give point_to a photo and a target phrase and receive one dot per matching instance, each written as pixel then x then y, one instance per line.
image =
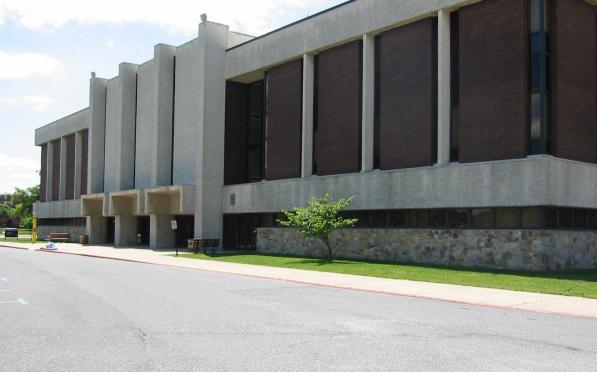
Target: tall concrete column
pixel 161 234
pixel 97 135
pixel 63 155
pixel 162 158
pixel 211 97
pixel 367 146
pixel 96 229
pixel 443 87
pixel 125 231
pixel 78 163
pixel 50 170
pixel 121 108
pixel 308 95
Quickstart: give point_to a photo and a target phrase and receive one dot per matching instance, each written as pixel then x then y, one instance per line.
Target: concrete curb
pixel 9 247
pixel 344 287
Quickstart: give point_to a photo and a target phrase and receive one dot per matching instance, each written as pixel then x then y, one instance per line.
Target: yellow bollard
pixel 34 231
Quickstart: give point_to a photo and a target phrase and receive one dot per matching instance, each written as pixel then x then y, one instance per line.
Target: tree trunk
pixel 329 247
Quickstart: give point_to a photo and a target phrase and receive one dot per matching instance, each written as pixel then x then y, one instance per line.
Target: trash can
pixel 83 239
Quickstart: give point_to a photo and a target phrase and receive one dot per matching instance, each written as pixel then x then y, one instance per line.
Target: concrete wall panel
pixel 186 113
pixel 522 182
pixel 120 130
pixel 67 125
pixel 349 21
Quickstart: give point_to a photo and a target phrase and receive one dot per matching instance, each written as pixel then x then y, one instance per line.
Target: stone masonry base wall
pixel 532 250
pixel 73 231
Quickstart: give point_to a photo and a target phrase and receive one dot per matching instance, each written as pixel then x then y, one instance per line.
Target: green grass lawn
pixel 568 283
pixel 14 240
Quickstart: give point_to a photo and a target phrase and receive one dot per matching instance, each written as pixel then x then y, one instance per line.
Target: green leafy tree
pixel 26 197
pixel 23 200
pixel 6 213
pixel 319 219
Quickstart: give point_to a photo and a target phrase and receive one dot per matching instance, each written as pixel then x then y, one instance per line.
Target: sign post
pixel 174 226
pixel 34 229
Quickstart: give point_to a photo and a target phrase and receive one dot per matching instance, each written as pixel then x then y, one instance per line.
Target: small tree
pixel 319 219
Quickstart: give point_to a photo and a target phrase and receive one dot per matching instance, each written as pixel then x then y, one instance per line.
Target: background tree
pixel 319 219
pixel 6 213
pixel 23 200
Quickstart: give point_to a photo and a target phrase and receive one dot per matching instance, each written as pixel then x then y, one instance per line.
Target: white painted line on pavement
pixel 17 301
pixel 3 279
pixel 4 290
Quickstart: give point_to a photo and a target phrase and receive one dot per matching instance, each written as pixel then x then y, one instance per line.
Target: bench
pixel 194 245
pixel 11 233
pixel 59 237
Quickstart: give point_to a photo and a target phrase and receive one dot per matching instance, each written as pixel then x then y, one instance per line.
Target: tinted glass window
pixel 508 217
pixel 379 219
pixel 437 218
pixel 532 217
pixel 458 218
pixel 483 218
pixel 397 218
pixel 566 216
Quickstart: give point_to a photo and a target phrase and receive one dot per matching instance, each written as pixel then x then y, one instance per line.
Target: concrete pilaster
pixel 63 155
pixel 211 94
pixel 443 87
pixel 119 171
pixel 96 229
pixel 308 96
pixel 125 231
pixel 50 170
pixel 368 118
pixel 161 174
pixel 161 234
pixel 97 132
pixel 78 161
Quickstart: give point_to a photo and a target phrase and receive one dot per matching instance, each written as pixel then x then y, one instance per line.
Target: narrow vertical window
pixel 315 114
pixel 455 86
pixel 539 77
pixel 377 81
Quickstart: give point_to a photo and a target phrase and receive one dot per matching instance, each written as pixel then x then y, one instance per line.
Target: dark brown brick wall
pixel 284 121
pixel 494 80
pixel 235 148
pixel 574 128
pixel 407 94
pixel 338 113
pixel 70 167
pixel 43 173
pixel 84 161
pixel 56 170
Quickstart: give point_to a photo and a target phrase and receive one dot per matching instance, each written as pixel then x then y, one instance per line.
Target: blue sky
pixel 49 48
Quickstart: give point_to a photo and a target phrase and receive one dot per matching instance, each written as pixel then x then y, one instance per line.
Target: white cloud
pixel 110 43
pixel 255 17
pixel 27 65
pixel 17 172
pixel 36 103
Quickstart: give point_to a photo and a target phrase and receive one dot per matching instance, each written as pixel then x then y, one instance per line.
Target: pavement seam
pixel 496 306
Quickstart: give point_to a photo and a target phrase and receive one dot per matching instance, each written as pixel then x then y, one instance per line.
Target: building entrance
pixel 143 230
pixel 185 230
pixel 110 230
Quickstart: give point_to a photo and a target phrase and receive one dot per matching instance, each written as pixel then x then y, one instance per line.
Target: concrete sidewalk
pixel 544 303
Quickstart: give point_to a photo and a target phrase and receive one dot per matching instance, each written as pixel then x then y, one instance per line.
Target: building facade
pixel 472 119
